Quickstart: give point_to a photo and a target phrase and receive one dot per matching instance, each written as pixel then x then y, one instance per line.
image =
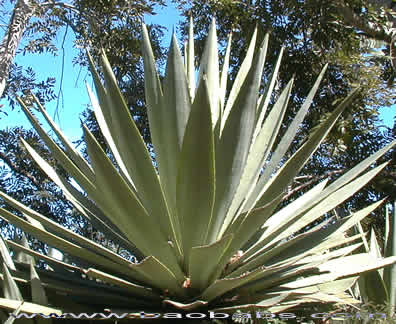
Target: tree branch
pixel 14 167
pixel 310 182
pixel 53 3
pixel 21 15
pixel 365 26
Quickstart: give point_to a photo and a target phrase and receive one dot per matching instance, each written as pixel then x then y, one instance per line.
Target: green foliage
pixel 23 81
pixel 115 27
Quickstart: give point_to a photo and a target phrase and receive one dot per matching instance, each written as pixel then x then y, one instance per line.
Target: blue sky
pixel 75 97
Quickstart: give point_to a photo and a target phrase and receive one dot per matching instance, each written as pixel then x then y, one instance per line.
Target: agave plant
pixel 379 287
pixel 201 213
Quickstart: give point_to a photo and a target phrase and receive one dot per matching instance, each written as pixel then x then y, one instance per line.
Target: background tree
pixel 118 26
pixel 21 15
pixel 96 24
pixel 376 23
pixel 314 33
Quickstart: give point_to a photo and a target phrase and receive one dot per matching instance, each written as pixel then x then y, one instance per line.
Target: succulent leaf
pixel 201 212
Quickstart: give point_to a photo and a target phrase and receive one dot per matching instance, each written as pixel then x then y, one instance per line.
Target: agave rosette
pixel 202 219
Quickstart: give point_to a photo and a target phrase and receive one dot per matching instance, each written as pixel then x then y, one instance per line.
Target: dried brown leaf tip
pixel 187 283
pixel 236 257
